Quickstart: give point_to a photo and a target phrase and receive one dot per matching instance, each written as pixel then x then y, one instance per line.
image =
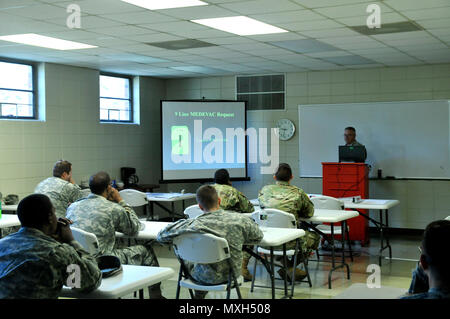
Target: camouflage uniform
pixel 232 199
pixel 293 200
pixel 60 192
pixel 34 265
pixel 235 228
pixel 95 214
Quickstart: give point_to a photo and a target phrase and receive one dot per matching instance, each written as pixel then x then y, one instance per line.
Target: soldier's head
pixel 37 211
pixel 222 177
pixel 100 183
pixel 207 198
pixel 63 169
pixel 283 173
pixel 435 259
pixel 349 135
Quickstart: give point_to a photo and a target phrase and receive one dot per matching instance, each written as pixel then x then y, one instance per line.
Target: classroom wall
pixel 421 201
pixel 71 130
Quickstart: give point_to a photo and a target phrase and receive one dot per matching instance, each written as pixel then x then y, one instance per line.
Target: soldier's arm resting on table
pixel 167 235
pixel 252 232
pixel 307 206
pixel 127 221
pixel 244 204
pixel 82 264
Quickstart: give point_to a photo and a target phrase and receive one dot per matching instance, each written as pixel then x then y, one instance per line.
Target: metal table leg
pixel 383 228
pixel 172 205
pixel 285 270
pixel 333 255
pixel 272 273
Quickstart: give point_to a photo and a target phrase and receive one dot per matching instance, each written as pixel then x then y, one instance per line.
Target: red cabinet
pixel 346 180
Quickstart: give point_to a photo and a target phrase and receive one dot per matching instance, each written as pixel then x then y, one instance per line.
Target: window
pixel 262 92
pixel 115 99
pixel 17 94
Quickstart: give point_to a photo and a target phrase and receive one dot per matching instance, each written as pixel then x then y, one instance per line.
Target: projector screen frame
pixel 202 180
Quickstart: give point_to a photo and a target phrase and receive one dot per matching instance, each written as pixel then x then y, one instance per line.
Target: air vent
pixel 182 44
pixel 262 92
pixel 396 27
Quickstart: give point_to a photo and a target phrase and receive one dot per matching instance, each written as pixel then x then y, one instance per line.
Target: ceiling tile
pixel 261 6
pixel 124 30
pixel 403 5
pixel 353 10
pixel 434 13
pixel 327 3
pixel 102 6
pixel 304 46
pixel 198 12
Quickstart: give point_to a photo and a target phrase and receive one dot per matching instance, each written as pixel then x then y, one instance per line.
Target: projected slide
pixel 200 137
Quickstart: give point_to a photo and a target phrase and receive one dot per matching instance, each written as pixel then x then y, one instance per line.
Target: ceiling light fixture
pixel 165 4
pixel 240 25
pixel 45 42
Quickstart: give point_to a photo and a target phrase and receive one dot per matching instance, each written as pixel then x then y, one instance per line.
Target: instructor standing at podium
pixel 350 137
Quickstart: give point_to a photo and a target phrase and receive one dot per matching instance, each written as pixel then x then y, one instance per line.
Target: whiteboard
pixel 408 139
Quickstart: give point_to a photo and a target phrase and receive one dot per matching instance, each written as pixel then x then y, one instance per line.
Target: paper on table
pixel 165 195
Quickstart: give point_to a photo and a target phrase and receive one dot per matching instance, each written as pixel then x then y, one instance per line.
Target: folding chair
pixel 327 202
pixel 201 248
pixel 193 211
pixel 270 217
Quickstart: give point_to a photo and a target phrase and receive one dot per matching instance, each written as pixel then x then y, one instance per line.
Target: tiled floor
pixel 394 273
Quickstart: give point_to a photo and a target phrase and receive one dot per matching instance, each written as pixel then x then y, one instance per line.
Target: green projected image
pixel 180 140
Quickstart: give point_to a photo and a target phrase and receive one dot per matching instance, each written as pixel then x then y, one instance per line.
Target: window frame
pixel 131 99
pixel 34 91
pixel 264 74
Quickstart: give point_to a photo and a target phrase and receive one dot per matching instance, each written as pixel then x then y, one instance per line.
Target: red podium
pixel 346 180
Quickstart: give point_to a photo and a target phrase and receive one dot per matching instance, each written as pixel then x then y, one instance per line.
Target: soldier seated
pixel 33 261
pixel 434 264
pixel 235 228
pixel 291 199
pixel 234 200
pixel 104 213
pixel 61 188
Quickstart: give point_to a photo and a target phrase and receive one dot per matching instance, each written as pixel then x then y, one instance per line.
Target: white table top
pixel 372 204
pixel 169 197
pixel 132 278
pixel 272 236
pixel 8 220
pixel 279 236
pixel 361 291
pixel 11 208
pixel 150 231
pixel 330 216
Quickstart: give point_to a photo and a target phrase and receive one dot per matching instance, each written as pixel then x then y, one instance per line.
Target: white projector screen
pixel 200 137
pixel 404 139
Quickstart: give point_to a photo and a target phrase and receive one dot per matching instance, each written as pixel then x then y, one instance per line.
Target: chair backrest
pixel 87 240
pixel 201 248
pixel 270 217
pixel 193 211
pixel 133 197
pixel 327 202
